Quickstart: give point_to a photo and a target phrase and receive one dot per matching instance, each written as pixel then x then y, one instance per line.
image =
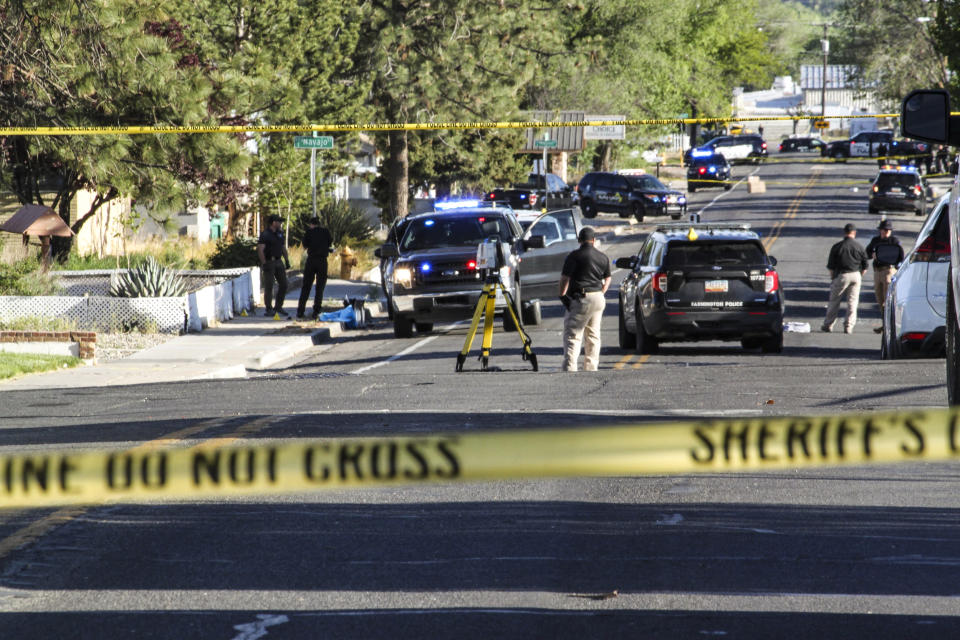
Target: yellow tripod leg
pixel 477 314
pixel 527 351
pixel 488 328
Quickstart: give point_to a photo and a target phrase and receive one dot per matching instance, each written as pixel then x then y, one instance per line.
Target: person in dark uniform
pixel 583 283
pixel 272 252
pixel 887 254
pixel 318 243
pixel 847 264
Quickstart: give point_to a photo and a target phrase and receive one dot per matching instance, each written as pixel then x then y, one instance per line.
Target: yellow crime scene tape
pixel 267 468
pixel 414 126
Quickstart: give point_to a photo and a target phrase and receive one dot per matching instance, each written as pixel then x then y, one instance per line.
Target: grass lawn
pixel 18 364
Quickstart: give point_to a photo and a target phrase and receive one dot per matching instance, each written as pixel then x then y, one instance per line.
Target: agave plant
pixel 148 280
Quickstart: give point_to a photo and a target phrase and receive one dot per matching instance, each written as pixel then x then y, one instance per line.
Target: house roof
pixel 36 220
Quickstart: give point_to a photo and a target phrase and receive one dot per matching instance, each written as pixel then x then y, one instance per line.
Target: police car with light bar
pixel 701 282
pixel 435 276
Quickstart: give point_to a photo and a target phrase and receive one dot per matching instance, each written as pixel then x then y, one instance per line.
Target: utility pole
pixel 823 90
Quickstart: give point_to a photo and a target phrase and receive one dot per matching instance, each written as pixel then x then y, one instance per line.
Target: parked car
pixel 629 195
pixel 531 194
pixel 701 282
pixel 708 170
pixel 898 189
pixel 745 148
pixel 804 144
pixel 435 276
pixel 914 314
pixel 866 144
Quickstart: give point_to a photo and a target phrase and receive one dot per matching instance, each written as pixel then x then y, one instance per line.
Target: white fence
pixel 233 291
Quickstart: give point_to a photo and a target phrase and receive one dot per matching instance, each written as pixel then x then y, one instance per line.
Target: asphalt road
pixel 827 553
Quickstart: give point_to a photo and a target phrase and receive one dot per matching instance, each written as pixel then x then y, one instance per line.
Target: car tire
pixel 423 327
pixel 750 343
pixel 691 189
pixel 643 341
pixel 532 314
pixel 637 211
pixel 952 344
pixel 919 212
pixel 628 341
pixel 727 186
pixel 773 344
pixel 873 210
pixel 623 214
pixel 402 326
pixel 676 216
pixel 588 209
pixel 508 324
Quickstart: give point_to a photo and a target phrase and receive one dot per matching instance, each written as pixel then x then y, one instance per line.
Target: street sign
pixel 309 142
pixel 604 132
pixel 545 144
pixel 821 124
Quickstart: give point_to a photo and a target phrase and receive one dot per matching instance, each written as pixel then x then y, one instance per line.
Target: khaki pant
pixel 845 286
pixel 582 323
pixel 881 284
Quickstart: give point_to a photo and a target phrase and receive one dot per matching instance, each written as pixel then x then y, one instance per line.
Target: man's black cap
pixel 847 228
pixel 313 220
pixel 587 234
pixel 885 224
pixel 275 218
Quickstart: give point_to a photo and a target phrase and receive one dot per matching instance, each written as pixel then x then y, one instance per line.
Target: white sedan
pixel 914 315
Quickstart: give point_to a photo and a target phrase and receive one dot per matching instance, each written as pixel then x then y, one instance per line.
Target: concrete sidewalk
pixel 226 351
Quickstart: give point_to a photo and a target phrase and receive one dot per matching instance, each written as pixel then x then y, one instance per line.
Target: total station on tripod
pixel 491 257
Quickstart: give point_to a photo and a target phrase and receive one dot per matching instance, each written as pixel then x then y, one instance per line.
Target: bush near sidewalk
pixel 18 364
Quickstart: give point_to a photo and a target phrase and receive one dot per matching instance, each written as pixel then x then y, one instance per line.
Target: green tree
pixel 83 63
pixel 459 60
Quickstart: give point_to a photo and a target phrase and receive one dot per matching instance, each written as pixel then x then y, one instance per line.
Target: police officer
pixel 317 242
pixel 272 252
pixel 887 254
pixel 847 264
pixel 583 283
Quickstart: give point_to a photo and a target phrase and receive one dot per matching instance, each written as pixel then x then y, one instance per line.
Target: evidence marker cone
pixel 276 316
pixel 243 313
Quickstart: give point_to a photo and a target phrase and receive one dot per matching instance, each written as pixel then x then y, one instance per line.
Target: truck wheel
pixel 532 314
pixel 773 344
pixel 636 209
pixel 691 188
pixel 628 341
pixel 424 327
pixel 508 323
pixel 645 343
pixel 588 209
pixel 953 343
pixel 402 326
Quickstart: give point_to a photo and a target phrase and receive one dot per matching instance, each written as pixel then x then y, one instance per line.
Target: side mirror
pixel 534 242
pixel 925 115
pixel 389 250
pixel 626 263
pixel 773 261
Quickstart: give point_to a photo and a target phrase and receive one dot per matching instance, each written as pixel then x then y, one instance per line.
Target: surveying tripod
pixel 485 308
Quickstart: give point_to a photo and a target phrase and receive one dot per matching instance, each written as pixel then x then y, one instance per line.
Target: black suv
pixel 802 144
pixel 708 170
pixel 900 189
pixel 434 276
pixel 701 282
pixel 629 195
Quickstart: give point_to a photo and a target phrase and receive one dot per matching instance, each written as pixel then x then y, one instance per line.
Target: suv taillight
pixel 771 282
pixel 533 199
pixel 702 170
pixel 763 145
pixel 931 249
pixel 660 282
pixel 917 190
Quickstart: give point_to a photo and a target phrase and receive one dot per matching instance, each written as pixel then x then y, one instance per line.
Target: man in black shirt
pixel 583 282
pixel 887 255
pixel 272 252
pixel 317 242
pixel 847 264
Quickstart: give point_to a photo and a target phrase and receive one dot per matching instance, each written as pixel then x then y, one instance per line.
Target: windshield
pixel 645 182
pixel 897 180
pixel 459 231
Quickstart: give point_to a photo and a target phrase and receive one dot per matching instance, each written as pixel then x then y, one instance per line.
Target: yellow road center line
pixel 623 361
pixel 642 360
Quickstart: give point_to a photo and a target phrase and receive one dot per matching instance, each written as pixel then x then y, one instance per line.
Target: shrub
pixel 231 254
pixel 345 221
pixel 149 280
pixel 26 278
